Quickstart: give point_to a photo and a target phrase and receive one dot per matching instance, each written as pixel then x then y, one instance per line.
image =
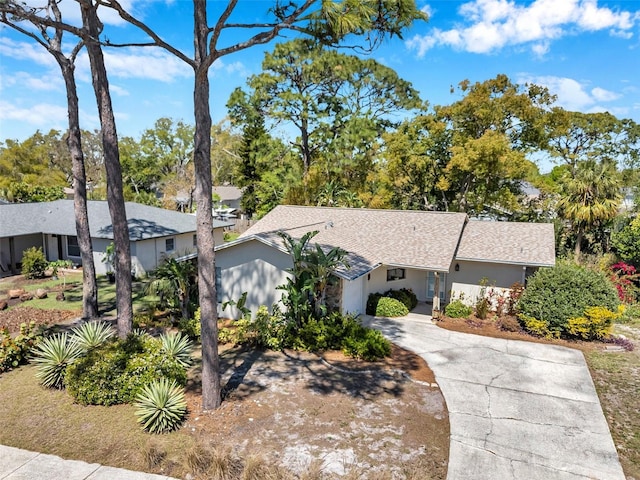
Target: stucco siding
pixel 254 268
pixel 415 280
pixel 471 273
pixel 353 299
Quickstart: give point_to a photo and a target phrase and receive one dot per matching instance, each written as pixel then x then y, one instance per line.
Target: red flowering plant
pixel 626 279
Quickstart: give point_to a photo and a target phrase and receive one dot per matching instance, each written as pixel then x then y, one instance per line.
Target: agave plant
pixel 161 406
pixel 52 356
pixel 177 346
pixel 91 335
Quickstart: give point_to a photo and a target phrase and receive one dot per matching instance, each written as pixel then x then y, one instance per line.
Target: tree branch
pixel 157 41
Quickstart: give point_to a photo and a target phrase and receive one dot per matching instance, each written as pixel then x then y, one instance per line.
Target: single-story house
pixel 435 254
pixel 153 232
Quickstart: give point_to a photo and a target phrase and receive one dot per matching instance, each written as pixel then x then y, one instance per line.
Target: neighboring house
pixel 229 195
pixel 154 233
pixel 432 253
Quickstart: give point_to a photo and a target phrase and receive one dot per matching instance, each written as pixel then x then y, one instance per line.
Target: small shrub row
pixel 404 295
pixel 331 332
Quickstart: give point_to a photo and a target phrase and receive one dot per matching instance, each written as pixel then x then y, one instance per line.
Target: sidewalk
pixel 517 410
pixel 16 464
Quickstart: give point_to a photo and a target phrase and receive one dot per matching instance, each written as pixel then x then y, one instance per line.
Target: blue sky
pixel 587 52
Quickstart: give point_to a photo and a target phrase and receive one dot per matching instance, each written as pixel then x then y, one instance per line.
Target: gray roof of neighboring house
pixel 530 244
pixel 228 192
pixel 416 239
pixel 58 217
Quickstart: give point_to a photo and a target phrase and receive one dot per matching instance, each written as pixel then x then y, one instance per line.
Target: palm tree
pixel 175 281
pixel 590 197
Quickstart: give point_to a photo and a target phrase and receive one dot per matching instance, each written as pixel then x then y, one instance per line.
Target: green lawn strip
pixel 47 421
pixel 73 295
pixel 617 380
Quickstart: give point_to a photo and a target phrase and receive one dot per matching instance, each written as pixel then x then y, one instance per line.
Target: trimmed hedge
pixel 404 295
pixel 457 309
pixel 390 307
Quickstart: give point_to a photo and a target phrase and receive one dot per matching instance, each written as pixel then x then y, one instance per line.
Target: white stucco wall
pixel 255 268
pixel 353 298
pixel 498 274
pixel 415 280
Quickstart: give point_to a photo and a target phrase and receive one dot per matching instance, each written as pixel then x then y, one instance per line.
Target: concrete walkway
pixel 517 410
pixel 16 464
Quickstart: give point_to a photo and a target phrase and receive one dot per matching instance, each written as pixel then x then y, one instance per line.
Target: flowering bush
pixel 625 279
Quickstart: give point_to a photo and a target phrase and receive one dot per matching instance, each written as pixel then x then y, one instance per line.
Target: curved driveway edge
pixel 517 410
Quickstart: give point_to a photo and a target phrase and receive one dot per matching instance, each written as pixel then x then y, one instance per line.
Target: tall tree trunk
pixel 74 143
pixel 578 248
pixel 115 196
pixel 211 388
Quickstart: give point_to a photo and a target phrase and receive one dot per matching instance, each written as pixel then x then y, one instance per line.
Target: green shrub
pixel 457 309
pixel 191 326
pixel 117 372
pixel 338 332
pixel 15 351
pixel 161 406
pixel 366 343
pixel 52 356
pixel 404 295
pixel 271 328
pixel 33 263
pixel 372 303
pixel 390 307
pixel 58 264
pixel 554 295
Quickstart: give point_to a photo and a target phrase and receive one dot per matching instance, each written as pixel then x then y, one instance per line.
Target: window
pixel 170 244
pixel 395 274
pixel 73 249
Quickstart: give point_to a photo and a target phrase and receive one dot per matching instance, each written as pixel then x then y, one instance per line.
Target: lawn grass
pixel 48 421
pixel 73 294
pixel 617 380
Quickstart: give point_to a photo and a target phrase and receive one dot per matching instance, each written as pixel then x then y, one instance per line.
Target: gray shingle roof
pixel 508 242
pixel 57 217
pixel 425 240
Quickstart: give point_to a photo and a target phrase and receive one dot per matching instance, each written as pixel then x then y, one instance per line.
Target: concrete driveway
pixel 517 410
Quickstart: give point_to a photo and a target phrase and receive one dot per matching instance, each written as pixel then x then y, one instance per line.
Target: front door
pixel 431 285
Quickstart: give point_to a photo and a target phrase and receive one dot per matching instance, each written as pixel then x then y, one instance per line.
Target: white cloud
pixel 602 95
pixel 41 114
pixel 121 92
pixel 574 95
pixel 152 64
pixel 26 51
pixel 489 25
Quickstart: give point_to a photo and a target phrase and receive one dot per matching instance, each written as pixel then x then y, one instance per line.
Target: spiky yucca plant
pixel 178 346
pixel 91 335
pixel 161 406
pixel 52 356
